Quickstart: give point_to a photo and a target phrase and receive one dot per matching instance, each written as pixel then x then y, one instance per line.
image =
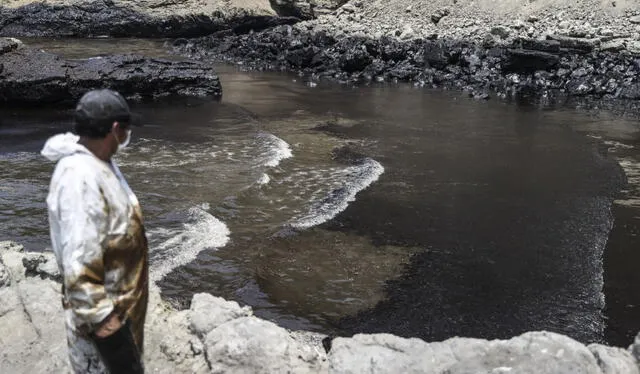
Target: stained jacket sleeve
pixel 83 223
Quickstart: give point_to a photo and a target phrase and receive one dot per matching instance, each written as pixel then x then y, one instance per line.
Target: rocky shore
pixel 544 52
pixel 586 53
pixel 31 77
pixel 218 336
pixel 151 18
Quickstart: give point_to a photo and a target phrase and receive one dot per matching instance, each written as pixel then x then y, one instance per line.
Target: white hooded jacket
pixel 98 238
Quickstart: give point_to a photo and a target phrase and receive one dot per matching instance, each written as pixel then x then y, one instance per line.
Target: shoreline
pixel 219 336
pixel 559 71
pixel 548 53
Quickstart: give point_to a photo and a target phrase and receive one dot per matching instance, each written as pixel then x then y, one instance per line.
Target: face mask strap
pixel 125 142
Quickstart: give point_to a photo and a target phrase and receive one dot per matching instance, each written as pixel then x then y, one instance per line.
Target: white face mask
pixel 126 141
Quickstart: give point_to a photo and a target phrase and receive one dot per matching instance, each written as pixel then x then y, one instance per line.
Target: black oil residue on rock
pixel 32 77
pixel 558 71
pixel 133 19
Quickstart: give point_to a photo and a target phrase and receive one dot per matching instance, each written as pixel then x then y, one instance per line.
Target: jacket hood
pixel 61 145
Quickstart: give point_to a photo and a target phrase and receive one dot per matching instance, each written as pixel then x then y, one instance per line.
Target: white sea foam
pixel 275 151
pixel 150 153
pixel 617 145
pixel 201 231
pixel 630 194
pixel 264 179
pixel 354 179
pixel 21 157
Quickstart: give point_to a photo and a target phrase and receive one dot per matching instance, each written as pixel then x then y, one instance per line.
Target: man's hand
pixel 109 326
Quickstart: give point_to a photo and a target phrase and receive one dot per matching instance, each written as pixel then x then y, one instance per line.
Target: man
pixel 98 238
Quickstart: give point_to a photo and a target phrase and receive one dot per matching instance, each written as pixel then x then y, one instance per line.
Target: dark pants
pixel 119 352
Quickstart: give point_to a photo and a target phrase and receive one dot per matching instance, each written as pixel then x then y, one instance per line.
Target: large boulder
pixel 9 44
pixel 305 9
pixel 208 312
pixel 237 342
pixel 219 336
pixel 252 345
pixel 31 77
pixel 526 61
pixel 576 44
pixel 530 353
pixel 141 18
pixel 614 360
pixel 437 54
pixel 31 318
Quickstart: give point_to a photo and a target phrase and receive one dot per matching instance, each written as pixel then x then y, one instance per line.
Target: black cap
pixel 97 110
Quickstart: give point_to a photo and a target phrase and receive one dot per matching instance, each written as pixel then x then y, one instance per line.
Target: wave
pixel 201 231
pixel 257 153
pixel 630 194
pixel 21 157
pixel 624 154
pixel 264 179
pixel 152 153
pixel 275 151
pixel 356 179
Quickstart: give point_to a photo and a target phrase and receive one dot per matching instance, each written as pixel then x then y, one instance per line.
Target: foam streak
pixel 359 177
pixel 204 231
